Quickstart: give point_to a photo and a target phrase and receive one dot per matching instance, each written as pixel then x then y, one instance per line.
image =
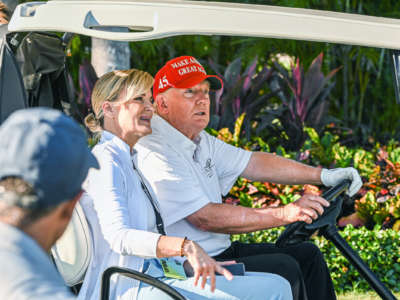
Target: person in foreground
pixel 123 213
pixel 44 160
pixel 190 170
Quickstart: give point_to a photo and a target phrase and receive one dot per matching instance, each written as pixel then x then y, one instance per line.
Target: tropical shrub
pixel 321 150
pixel 378 201
pixel 381 202
pixel 378 248
pixel 303 96
pixel 244 93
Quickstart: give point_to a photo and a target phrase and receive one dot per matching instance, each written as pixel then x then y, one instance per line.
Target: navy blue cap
pixel 48 150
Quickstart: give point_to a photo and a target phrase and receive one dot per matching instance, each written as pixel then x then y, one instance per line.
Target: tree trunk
pixel 110 55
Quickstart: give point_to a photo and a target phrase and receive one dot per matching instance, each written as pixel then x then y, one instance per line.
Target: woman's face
pixel 132 117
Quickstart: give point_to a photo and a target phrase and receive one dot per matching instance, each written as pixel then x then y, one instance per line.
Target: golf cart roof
pixel 144 20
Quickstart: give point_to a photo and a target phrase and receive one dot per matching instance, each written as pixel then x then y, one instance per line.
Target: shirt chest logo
pixel 208 168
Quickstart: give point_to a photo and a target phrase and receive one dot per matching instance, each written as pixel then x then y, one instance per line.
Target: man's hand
pixel 305 209
pixel 333 177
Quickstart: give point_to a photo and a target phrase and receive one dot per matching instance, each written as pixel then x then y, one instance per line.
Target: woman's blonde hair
pixel 109 87
pixel 5 13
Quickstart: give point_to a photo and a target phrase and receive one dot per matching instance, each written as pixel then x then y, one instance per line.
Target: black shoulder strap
pixel 159 221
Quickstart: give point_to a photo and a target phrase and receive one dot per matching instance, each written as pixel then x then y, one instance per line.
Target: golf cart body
pixel 145 20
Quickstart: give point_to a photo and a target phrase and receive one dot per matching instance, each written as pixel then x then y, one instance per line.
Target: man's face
pixel 62 216
pixel 188 110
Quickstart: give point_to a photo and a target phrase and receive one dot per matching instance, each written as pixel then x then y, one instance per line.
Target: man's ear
pixel 67 208
pixel 161 104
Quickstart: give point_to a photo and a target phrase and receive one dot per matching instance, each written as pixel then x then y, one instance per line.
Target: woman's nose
pixel 149 105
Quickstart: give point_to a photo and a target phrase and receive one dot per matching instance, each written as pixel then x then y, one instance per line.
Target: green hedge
pixel 380 249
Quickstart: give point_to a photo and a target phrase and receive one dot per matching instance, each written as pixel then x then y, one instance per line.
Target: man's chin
pixel 203 119
pixel 202 123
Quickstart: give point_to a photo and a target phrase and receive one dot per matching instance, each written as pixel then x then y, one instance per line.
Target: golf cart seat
pixel 72 254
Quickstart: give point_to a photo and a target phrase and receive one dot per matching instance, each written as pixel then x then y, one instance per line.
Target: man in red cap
pixel 190 171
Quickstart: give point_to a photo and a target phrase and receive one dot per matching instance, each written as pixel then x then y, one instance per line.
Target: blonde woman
pixel 122 211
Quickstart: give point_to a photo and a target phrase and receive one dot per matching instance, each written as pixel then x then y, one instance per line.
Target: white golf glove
pixel 333 177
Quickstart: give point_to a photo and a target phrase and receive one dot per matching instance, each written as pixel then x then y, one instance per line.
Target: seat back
pixel 73 251
pixel 33 72
pixel 12 91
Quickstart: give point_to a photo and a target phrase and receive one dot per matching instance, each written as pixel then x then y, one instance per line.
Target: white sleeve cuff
pixel 141 243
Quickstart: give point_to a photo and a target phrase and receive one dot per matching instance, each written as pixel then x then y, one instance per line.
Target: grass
pixel 366 296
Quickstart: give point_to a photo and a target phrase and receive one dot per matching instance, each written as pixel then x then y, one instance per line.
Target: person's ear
pixel 108 109
pixel 161 104
pixel 68 207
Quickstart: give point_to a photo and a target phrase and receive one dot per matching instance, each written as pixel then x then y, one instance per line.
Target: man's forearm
pixel 226 218
pixel 274 168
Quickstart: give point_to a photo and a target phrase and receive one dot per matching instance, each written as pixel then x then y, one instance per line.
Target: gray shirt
pixel 3 31
pixel 26 272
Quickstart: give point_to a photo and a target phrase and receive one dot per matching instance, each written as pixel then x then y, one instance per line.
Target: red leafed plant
pixel 303 96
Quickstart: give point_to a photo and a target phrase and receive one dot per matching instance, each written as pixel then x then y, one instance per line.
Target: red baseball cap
pixel 183 72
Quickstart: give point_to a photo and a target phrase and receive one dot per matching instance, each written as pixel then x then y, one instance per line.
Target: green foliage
pixel 378 201
pixel 304 96
pixel 77 52
pixel 378 211
pixel 234 139
pixel 378 248
pixel 244 92
pixel 364 162
pixel 321 149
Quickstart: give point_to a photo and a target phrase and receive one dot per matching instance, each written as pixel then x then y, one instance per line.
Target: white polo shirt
pixel 187 176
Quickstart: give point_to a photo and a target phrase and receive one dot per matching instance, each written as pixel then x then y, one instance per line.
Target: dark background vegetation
pixel 362 102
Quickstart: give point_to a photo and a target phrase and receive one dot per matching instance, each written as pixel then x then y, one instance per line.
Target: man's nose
pixel 203 96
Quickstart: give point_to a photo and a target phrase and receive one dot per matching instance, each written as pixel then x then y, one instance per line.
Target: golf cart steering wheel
pixel 298 232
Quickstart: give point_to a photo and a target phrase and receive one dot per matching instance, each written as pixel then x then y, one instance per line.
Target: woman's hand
pixel 203 265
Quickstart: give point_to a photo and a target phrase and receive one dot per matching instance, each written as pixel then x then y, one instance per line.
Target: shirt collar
pixel 175 138
pixel 107 136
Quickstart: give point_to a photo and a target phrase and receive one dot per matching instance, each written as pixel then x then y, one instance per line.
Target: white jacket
pixel 119 215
